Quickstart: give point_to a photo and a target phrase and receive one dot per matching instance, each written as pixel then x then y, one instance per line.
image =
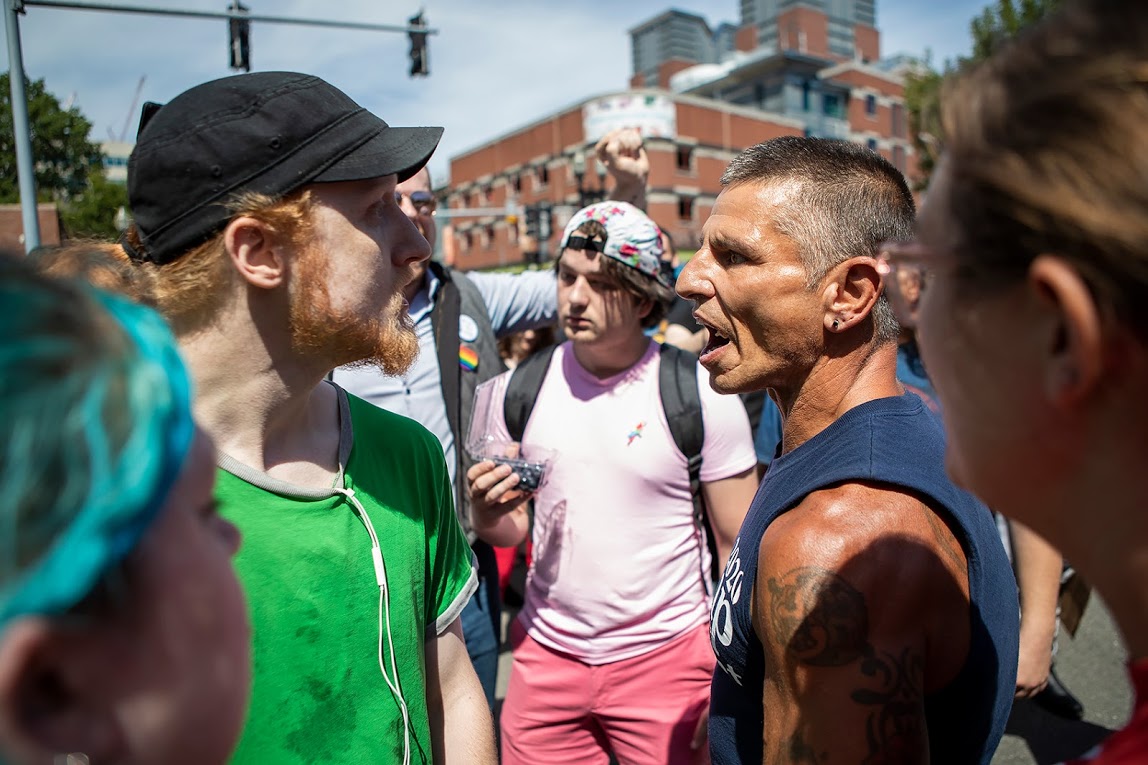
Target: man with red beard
pixel 459 319
pixel 267 228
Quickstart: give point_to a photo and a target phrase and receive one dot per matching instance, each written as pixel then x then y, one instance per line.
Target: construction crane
pixel 123 135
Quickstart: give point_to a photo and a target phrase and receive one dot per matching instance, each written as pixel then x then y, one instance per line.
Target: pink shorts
pixel 645 709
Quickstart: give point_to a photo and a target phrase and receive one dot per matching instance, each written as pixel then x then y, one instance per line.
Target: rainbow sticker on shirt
pixel 635 434
pixel 467 357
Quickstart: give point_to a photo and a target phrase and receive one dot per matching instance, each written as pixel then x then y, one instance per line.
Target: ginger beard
pixel 386 341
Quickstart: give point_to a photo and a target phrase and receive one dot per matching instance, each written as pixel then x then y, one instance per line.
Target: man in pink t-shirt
pixel 611 647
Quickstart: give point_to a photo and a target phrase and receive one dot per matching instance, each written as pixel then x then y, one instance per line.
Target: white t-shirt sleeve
pixel 728 448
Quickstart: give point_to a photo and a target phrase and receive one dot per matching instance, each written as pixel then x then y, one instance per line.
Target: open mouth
pixel 717 339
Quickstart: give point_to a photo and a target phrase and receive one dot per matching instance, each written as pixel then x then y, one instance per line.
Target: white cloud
pixel 494 66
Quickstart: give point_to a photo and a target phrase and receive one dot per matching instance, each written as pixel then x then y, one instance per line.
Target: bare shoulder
pixel 890 526
pixel 861 554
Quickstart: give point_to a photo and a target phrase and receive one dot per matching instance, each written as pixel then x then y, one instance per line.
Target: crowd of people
pixel 247 520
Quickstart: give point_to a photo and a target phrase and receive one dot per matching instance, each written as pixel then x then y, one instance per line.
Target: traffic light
pixel 532 220
pixel 544 222
pixel 239 33
pixel 420 60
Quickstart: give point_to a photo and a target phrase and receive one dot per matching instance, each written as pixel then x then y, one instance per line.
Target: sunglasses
pixel 584 243
pixel 420 200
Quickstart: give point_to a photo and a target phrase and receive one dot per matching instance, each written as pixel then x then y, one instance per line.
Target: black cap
pixel 267 132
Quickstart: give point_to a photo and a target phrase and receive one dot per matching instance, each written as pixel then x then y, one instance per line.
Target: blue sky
pixel 494 66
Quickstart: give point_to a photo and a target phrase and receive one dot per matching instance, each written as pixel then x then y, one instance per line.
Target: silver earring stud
pixel 835 323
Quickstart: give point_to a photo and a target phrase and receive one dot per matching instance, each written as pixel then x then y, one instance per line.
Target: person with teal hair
pixel 123 630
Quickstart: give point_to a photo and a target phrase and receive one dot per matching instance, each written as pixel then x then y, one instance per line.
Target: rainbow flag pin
pixel 467 357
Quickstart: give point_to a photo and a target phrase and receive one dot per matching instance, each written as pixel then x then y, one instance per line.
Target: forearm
pixel 1038 567
pixel 461 729
pixel 633 192
pixel 727 501
pixel 465 733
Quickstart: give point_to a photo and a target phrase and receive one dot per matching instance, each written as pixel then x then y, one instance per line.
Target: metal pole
pixel 24 165
pixel 189 14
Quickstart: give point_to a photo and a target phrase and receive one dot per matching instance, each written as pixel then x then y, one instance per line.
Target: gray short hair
pixel 846 201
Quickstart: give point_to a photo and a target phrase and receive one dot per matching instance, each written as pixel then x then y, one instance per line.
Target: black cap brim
pixel 401 151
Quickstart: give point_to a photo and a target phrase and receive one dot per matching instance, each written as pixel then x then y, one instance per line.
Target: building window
pixel 489 235
pixel 871 105
pixel 898 121
pixel 467 240
pixel 872 144
pixel 543 175
pixel 805 96
pixel 686 208
pixel 899 158
pixel 516 182
pixel 831 105
pixel 685 158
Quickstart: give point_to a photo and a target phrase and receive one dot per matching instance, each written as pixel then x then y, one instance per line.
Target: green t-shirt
pixel 318 694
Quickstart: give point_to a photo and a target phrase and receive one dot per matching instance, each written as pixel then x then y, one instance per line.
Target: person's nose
pixel 579 294
pixel 412 245
pixel 693 284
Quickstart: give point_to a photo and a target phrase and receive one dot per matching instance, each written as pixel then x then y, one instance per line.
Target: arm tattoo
pixel 946 539
pixel 801 753
pixel 820 619
pixel 824 622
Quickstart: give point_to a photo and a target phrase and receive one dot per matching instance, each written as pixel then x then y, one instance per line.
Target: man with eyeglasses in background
pixel 459 319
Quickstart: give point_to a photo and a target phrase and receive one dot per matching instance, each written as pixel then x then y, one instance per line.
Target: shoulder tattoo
pixel 823 621
pixel 818 616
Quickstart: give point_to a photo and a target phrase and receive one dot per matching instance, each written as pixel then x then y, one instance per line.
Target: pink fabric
pixel 645 709
pixel 618 563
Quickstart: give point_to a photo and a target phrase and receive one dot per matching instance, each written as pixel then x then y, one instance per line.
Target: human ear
pixel 45 710
pixel 1069 330
pixel 252 248
pixel 850 293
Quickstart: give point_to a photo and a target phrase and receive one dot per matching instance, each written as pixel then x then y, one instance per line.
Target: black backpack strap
pixel 522 391
pixel 444 323
pixel 682 403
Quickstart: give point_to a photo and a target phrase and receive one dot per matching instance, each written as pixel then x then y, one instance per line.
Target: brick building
pixel 12 226
pixel 551 161
pixel 795 67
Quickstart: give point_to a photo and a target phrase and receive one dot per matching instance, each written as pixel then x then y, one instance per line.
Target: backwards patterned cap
pixel 631 237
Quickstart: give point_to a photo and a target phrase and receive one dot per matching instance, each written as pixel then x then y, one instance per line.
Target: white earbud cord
pixel 384 613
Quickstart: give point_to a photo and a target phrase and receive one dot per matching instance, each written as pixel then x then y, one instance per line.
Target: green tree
pixel 923 103
pixel 997 23
pixel 63 156
pixel 92 214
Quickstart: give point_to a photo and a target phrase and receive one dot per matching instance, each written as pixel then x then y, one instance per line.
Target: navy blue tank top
pixel 894 441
